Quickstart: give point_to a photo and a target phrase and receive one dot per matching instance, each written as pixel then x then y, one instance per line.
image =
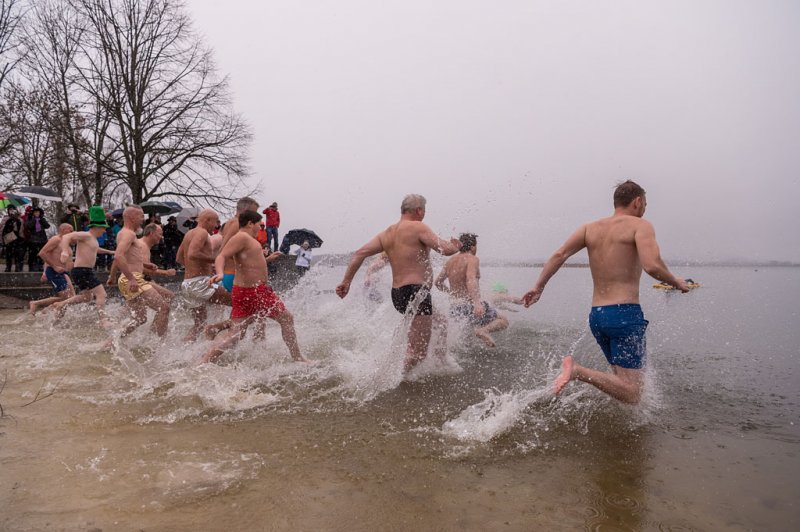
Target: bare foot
pixel 32 308
pixel 567 367
pixel 485 337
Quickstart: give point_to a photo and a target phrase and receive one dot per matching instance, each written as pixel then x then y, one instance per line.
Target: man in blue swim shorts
pixel 462 273
pixel 619 247
pixel 407 245
pixel 54 271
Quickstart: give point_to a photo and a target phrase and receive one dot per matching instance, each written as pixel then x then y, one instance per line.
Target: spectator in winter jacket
pixel 75 218
pixel 35 227
pixel 12 238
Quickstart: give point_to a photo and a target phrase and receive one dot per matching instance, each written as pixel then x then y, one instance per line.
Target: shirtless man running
pixel 151 236
pixel 463 271
pixel 407 245
pixel 54 271
pixel 252 298
pixel 139 293
pixel 619 247
pixel 82 272
pixel 197 254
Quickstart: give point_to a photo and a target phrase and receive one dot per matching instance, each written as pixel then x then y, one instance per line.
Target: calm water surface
pixel 141 438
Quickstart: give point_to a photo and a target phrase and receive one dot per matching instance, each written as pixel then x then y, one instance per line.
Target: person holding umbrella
pixel 35 227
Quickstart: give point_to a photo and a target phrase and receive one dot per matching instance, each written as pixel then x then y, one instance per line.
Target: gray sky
pixel 516 118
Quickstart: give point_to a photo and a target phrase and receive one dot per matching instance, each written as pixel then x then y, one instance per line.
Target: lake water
pixel 142 438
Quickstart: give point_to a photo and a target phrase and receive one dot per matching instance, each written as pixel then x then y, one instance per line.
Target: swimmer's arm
pixel 125 240
pixel 66 242
pixel 440 245
pixel 196 249
pixel 103 251
pixel 373 247
pixel 48 247
pixel 112 274
pixel 181 253
pixel 228 251
pixel 440 279
pixel 472 284
pixel 275 255
pixel 650 257
pixel 575 243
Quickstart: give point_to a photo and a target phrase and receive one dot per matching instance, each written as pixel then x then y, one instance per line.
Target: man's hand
pixel 214 279
pixel 532 296
pixel 110 281
pixel 342 290
pixel 681 285
pixel 170 273
pixel 133 286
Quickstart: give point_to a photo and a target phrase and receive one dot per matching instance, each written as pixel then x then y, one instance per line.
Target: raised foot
pixel 566 375
pixel 485 338
pixel 32 308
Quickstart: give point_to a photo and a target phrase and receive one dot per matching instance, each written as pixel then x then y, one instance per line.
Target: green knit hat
pixel 97 216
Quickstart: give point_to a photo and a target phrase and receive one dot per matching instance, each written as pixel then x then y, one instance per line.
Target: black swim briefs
pixel 84 278
pixel 403 296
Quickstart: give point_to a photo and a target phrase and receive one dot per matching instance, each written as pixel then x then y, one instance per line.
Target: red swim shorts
pixel 260 300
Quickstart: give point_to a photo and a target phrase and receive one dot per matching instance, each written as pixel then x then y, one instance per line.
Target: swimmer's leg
pixel 228 340
pixel 199 316
pixel 624 384
pixel 138 313
pixel 99 292
pixel 60 307
pixel 498 324
pixel 165 293
pixel 35 306
pixel 154 300
pixel 286 321
pixel 419 336
pixel 439 322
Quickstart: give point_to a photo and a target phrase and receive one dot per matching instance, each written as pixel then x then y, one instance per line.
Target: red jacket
pixel 273 217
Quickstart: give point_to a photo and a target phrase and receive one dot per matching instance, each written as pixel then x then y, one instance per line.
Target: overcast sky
pixel 516 118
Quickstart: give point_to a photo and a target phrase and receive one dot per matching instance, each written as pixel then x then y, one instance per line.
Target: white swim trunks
pixel 196 291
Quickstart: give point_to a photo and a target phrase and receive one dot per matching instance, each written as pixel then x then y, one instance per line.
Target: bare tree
pixel 170 113
pixel 9 21
pixel 51 41
pixel 27 115
pixel 10 18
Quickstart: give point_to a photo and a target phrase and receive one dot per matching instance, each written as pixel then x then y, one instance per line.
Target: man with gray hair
pixel 407 245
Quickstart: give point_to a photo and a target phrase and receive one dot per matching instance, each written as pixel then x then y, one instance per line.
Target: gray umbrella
pixel 42 193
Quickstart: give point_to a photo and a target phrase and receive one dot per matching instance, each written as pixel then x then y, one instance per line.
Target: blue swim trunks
pixel 465 311
pixel 620 332
pixel 57 279
pixel 227 281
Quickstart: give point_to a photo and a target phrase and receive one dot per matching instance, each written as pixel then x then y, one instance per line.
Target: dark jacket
pixel 13 225
pixel 36 237
pixel 77 220
pixel 172 235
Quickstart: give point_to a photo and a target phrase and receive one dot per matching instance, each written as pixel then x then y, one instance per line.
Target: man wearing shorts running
pixel 463 272
pixel 619 247
pixel 54 271
pixel 82 272
pixel 407 245
pixel 197 254
pixel 253 300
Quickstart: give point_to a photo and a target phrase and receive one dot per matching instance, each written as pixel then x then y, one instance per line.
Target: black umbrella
pixel 116 213
pixel 42 193
pixel 298 236
pixel 174 208
pixel 155 207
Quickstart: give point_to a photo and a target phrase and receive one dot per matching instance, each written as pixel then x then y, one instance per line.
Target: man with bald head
pixel 54 271
pixel 197 254
pixel 132 257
